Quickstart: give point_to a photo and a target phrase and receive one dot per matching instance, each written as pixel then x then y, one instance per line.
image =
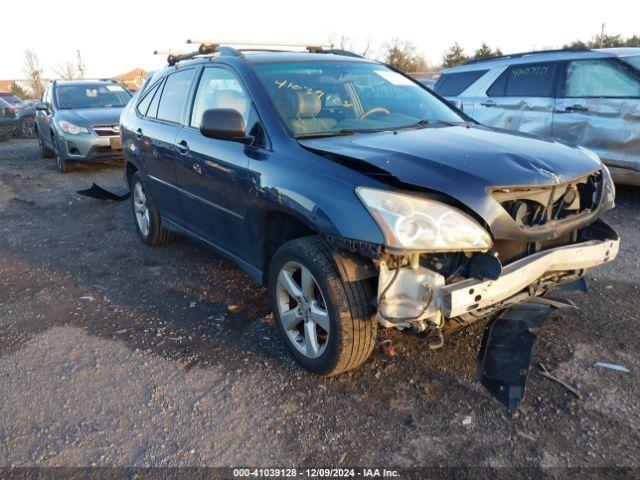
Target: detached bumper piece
pixel 505 354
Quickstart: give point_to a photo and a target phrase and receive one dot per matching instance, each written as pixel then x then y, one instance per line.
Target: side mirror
pixel 223 124
pixel 41 106
pixel 456 103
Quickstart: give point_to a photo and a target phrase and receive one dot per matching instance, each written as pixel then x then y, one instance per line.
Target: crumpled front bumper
pixel 470 295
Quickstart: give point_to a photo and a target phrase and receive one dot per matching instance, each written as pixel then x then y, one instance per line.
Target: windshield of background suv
pixel 91 96
pixel 633 61
pixel 329 97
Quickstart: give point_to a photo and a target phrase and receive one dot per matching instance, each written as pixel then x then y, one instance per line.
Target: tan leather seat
pixel 303 110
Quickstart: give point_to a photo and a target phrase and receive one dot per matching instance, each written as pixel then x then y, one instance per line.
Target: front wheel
pixel 61 164
pixel 44 150
pixel 327 322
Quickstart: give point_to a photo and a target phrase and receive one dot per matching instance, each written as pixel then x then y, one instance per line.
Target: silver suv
pixel 589 98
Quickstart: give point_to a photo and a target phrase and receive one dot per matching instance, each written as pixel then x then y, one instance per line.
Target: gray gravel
pixel 112 354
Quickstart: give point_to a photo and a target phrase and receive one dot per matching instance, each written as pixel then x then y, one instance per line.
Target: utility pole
pixel 601 35
pixel 80 64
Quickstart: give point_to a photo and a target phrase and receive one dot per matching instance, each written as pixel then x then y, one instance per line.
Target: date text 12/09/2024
pixel 315 472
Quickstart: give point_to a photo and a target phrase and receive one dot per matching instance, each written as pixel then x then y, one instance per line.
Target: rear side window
pixel 531 80
pixel 143 105
pixel 601 78
pixel 452 84
pixel 174 94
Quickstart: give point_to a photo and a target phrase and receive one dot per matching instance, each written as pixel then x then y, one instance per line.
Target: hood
pixel 87 117
pixel 461 161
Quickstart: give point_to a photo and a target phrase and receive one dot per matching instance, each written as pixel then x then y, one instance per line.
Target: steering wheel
pixel 368 113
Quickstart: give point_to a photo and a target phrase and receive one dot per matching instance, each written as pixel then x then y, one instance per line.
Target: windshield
pixel 328 97
pixel 91 96
pixel 633 61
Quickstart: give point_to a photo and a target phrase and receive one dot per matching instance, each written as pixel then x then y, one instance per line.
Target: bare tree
pixel 402 55
pixel 347 43
pixel 67 71
pixel 33 71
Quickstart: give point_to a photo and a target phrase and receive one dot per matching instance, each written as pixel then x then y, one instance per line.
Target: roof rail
pixel 522 54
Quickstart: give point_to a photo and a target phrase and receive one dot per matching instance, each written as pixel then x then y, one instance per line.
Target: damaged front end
pixel 440 290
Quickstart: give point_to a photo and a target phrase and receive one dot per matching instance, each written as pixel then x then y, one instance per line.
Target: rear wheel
pixel 145 215
pixel 326 322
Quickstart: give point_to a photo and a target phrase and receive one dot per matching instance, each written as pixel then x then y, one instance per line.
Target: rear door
pixel 599 108
pixel 213 175
pixel 164 107
pixel 521 98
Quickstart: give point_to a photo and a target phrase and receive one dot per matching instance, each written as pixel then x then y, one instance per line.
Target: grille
pixel 107 130
pixel 538 206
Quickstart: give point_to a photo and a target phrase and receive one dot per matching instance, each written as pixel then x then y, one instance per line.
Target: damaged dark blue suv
pixel 358 197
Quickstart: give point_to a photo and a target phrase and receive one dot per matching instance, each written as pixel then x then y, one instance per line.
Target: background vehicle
pixel 583 97
pixel 341 184
pixel 80 121
pixel 8 120
pixel 25 115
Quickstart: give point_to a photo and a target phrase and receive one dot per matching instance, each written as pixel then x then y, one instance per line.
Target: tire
pixel 345 307
pixel 154 234
pixel 61 164
pixel 44 150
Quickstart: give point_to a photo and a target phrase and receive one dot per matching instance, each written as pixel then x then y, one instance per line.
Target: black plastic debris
pixel 505 354
pixel 100 193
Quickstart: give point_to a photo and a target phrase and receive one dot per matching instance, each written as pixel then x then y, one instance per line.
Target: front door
pixel 521 99
pixel 599 108
pixel 213 175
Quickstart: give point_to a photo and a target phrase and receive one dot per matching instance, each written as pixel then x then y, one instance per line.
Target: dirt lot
pixel 112 353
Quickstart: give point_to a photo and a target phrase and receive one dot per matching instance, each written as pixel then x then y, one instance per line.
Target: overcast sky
pixel 116 36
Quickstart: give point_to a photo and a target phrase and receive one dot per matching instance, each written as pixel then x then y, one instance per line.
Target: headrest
pixel 304 105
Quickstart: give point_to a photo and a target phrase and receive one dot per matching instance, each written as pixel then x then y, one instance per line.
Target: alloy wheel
pixel 302 310
pixel 141 209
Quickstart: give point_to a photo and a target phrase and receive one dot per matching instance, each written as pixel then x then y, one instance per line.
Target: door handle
pixel 197 168
pixel 488 103
pixel 576 108
pixel 139 134
pixel 182 147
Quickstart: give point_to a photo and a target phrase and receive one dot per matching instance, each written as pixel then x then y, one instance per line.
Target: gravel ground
pixel 116 354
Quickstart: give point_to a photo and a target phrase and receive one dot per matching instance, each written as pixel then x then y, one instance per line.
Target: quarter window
pixel 143 105
pixel 219 88
pixel 174 94
pixel 600 78
pixel 452 84
pixel 528 80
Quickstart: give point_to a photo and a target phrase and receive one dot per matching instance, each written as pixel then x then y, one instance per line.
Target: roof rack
pixel 210 48
pixel 522 54
pixel 316 47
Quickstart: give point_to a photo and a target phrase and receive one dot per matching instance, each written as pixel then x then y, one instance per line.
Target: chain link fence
pixel 17 118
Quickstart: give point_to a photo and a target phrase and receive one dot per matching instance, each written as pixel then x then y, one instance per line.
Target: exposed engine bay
pixel 450 290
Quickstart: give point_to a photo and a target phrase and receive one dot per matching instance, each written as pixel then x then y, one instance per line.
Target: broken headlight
pixel 414 223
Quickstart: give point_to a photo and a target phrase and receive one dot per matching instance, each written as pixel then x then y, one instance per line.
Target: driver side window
pixel 219 88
